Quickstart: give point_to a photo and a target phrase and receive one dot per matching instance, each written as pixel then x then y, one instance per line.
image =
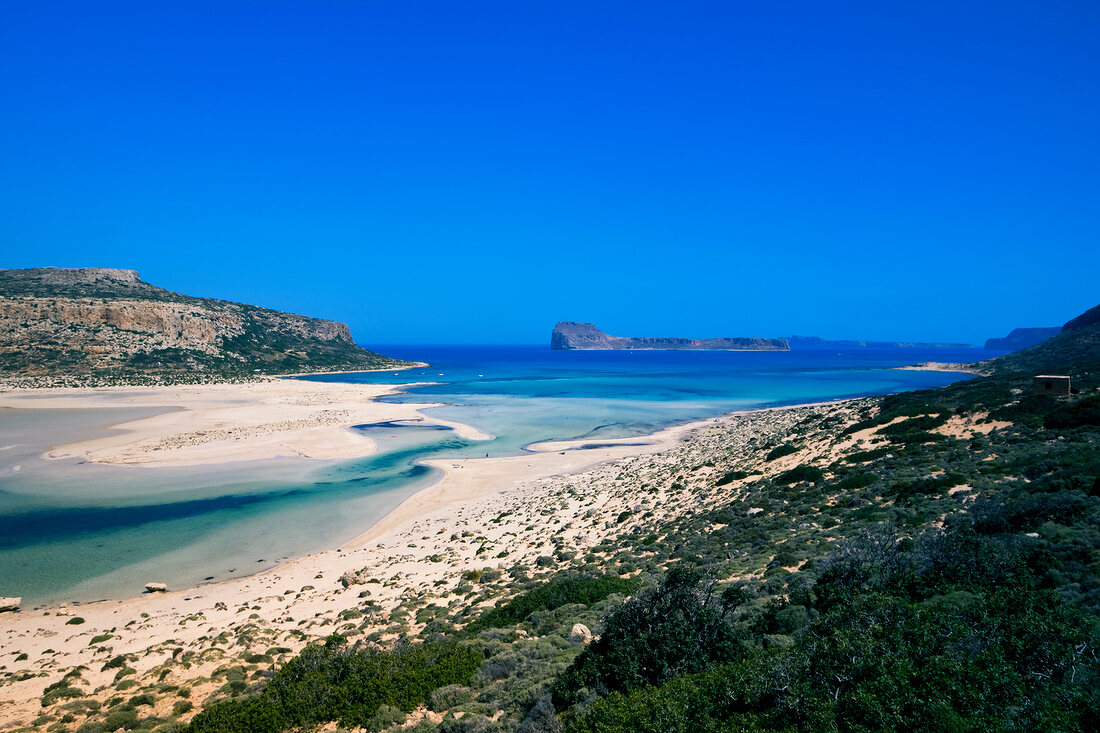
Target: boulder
pixel 580 632
pixel 155 587
pixel 10 604
pixel 350 577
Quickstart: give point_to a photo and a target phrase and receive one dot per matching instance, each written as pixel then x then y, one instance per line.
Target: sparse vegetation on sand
pixel 925 561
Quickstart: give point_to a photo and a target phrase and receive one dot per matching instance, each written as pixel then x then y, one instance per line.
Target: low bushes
pixel 557 592
pixel 336 683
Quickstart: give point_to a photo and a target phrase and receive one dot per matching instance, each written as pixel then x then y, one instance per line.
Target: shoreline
pixel 540 460
pixel 940 366
pixel 410 365
pixel 483 512
pixel 428 496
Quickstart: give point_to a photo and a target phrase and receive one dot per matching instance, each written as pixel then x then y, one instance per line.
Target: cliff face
pixel 103 325
pixel 1021 338
pixel 569 335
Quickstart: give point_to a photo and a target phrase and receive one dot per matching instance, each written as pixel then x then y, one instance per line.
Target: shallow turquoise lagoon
pixel 80 532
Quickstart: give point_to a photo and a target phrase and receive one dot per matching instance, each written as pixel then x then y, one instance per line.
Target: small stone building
pixel 1051 385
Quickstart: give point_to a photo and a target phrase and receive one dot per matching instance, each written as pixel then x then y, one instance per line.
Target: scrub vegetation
pixel 925 561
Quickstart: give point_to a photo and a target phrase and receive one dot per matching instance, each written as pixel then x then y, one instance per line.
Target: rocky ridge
pixel 107 326
pixel 1021 338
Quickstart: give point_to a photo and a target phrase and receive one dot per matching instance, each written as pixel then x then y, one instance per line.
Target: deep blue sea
pixel 79 532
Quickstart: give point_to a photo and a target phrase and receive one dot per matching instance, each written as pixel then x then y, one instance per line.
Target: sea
pixel 76 532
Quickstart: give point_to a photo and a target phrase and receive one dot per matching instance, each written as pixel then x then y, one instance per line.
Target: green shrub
pixel 114 663
pixel 782 450
pixel 120 718
pixel 672 628
pixel 730 477
pixel 386 717
pixel 1080 413
pixel 856 481
pixel 560 590
pixel 448 697
pixel 333 682
pixel 963 639
pixel 799 474
pixel 60 691
pixel 869 455
pixel 75 620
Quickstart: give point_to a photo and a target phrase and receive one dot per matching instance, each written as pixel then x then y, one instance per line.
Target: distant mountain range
pixel 1075 350
pixel 572 336
pixel 1021 338
pixel 106 326
pixel 813 342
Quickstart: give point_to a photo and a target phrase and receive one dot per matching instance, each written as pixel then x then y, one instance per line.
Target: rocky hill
pixel 1021 338
pixel 569 335
pixel 107 326
pixel 1074 351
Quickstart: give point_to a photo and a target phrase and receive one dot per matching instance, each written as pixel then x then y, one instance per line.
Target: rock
pixel 155 587
pixel 10 604
pixel 350 577
pixel 580 632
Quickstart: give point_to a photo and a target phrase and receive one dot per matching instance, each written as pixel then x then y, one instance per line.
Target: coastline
pixel 410 365
pixel 505 504
pixel 939 366
pixel 482 512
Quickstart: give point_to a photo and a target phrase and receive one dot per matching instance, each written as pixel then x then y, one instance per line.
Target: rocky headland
pixel 93 326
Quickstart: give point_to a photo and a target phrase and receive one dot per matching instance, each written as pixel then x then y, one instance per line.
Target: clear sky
pixel 475 171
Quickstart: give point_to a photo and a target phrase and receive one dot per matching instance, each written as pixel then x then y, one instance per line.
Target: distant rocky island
pixel 813 342
pixel 572 336
pixel 1021 338
pixel 91 326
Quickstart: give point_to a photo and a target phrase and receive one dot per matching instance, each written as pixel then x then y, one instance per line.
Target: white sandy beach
pixel 485 512
pixel 211 424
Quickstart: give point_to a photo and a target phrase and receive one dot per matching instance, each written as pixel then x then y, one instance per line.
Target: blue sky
pixel 474 172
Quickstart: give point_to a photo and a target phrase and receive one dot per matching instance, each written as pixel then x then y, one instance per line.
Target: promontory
pixel 95 326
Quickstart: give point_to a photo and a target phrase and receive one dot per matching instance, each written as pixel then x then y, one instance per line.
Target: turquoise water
pixel 80 532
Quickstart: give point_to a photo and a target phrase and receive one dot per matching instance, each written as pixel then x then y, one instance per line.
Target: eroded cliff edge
pixel 108 326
